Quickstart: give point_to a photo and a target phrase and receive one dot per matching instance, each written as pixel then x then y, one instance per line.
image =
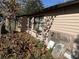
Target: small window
pixel 58 49
pixel 50 44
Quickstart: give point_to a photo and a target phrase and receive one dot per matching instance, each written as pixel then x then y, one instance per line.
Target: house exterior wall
pixel 53 31
pixel 68 23
pixel 65 29
pixel 60 26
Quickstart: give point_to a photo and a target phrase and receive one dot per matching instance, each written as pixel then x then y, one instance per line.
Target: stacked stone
pixel 48 21
pixel 45 28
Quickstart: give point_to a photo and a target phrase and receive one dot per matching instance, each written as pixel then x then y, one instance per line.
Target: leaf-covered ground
pixel 22 46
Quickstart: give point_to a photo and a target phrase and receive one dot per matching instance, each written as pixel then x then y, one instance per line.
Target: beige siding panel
pixel 76 17
pixel 64 31
pixel 68 27
pixel 68 23
pixel 68 15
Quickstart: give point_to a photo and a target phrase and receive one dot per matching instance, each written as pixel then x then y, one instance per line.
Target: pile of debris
pixel 22 46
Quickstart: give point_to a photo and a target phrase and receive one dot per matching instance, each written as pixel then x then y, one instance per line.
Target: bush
pixel 22 46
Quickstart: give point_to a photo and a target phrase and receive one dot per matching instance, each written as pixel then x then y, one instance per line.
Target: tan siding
pixel 67 23
pixel 68 15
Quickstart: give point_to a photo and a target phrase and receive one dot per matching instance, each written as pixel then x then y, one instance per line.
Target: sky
pixel 48 3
